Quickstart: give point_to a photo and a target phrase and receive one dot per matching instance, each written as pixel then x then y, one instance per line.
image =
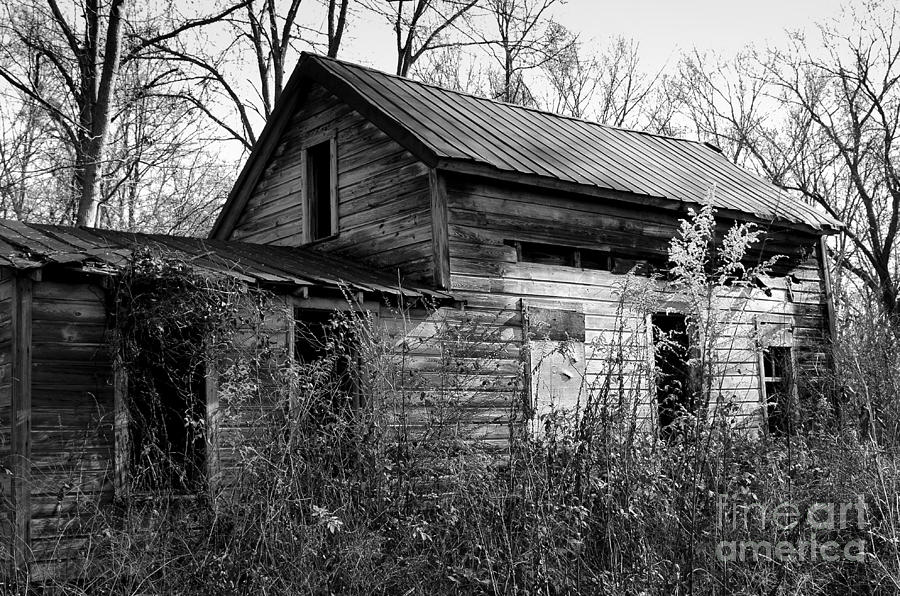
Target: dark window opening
pixel 672 353
pixel 166 425
pixel 324 341
pixel 319 202
pixel 778 387
pixel 564 256
pixel 546 254
pixel 596 259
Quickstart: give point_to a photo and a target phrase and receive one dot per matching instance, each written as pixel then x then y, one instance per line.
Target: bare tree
pixel 523 38
pixel 83 55
pixel 337 22
pixel 608 86
pixel 819 118
pixel 421 26
pixel 269 36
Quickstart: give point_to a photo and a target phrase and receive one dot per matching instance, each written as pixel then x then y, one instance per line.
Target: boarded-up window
pixel 319 191
pixel 672 359
pixel 556 362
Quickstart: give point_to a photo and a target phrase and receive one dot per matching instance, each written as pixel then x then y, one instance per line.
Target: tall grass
pixel 322 494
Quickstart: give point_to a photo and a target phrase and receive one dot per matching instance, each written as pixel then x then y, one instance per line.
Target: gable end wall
pixel 384 210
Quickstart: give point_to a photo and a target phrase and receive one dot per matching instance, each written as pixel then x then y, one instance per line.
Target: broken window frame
pixel 570 256
pixel 585 259
pixel 783 422
pixel 777 333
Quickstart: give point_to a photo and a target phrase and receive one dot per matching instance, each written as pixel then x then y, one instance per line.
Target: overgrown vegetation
pixel 368 480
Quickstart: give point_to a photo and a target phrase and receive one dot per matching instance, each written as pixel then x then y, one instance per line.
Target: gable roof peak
pixel 457 131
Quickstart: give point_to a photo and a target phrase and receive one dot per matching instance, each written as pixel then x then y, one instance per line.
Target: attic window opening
pixel 321 194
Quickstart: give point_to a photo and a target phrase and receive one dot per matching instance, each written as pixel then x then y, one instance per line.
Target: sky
pixel 661 27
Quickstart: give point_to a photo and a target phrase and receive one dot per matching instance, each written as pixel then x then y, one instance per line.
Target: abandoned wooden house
pixel 388 188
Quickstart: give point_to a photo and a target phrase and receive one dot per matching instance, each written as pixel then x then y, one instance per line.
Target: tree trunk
pixel 99 116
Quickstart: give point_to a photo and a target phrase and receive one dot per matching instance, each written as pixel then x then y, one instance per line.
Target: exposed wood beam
pixel 20 431
pixel 440 235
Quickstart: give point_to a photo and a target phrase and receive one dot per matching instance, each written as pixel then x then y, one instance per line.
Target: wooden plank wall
pixel 453 371
pixel 260 343
pixel 72 416
pixel 485 273
pixel 6 503
pixel 384 211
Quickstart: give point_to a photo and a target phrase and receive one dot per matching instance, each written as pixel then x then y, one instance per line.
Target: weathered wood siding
pixel 384 215
pixel 72 409
pixel 240 416
pixel 6 503
pixel 485 273
pixel 453 371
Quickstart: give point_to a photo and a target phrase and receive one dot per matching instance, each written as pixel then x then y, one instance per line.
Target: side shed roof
pixel 457 131
pixel 29 246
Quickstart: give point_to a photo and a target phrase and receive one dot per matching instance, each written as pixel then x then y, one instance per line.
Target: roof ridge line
pixel 506 103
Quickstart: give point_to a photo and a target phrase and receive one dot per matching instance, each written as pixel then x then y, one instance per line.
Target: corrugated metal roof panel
pixel 26 246
pixel 511 138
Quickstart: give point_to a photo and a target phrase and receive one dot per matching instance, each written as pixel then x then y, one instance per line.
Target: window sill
pixel 314 243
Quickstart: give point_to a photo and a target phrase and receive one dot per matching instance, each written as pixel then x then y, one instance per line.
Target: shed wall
pixel 72 409
pixel 6 503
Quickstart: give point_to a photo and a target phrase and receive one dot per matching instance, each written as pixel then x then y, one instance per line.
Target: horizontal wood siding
pixel 485 273
pixel 6 504
pixel 72 409
pixel 244 414
pixel 452 371
pixel 384 211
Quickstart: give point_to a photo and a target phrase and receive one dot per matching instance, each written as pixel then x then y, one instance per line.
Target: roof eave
pixel 470 168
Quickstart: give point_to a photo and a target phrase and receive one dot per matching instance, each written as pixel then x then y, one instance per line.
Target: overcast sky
pixel 662 27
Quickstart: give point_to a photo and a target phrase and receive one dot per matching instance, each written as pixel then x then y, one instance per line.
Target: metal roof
pixel 28 246
pixel 451 130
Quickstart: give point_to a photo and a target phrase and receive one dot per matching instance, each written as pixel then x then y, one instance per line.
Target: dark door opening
pixel 672 352
pixel 167 428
